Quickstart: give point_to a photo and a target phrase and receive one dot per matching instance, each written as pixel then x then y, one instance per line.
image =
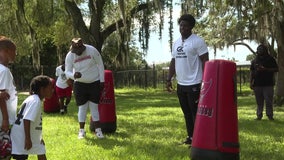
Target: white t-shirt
pixel 188 65
pixel 61 81
pixel 89 64
pixel 7 84
pixel 30 110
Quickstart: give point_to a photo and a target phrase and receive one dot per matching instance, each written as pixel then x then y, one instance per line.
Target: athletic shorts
pixel 16 156
pixel 84 92
pixel 66 92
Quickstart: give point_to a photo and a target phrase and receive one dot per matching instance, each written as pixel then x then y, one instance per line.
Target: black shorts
pixel 20 157
pixel 84 92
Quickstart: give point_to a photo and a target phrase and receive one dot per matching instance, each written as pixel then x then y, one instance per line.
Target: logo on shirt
pixel 83 58
pixel 180 52
pixel 63 76
pixel 180 49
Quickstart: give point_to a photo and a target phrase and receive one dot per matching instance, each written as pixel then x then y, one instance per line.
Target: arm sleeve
pixel 5 79
pixel 173 47
pixel 69 66
pixel 56 72
pixel 202 49
pixel 33 110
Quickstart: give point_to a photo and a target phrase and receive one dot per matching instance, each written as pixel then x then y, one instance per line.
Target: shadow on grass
pixel 136 100
pixel 141 149
pixel 139 145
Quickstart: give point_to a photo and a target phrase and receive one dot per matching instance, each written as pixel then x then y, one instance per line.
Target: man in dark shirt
pixel 262 81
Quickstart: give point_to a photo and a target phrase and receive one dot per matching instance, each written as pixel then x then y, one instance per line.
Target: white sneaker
pixel 61 111
pixel 99 133
pixel 81 134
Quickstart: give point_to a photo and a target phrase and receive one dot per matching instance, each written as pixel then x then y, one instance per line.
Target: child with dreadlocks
pixel 26 133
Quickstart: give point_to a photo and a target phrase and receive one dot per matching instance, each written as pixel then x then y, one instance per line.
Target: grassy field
pixel 150 126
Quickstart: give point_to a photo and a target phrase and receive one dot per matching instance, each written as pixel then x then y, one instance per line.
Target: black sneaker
pixel 271 118
pixel 188 141
pixel 65 109
pixel 258 119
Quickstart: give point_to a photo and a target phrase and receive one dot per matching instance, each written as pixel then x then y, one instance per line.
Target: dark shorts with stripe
pixel 84 92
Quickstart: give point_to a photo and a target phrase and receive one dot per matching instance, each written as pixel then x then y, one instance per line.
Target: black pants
pixel 264 94
pixel 188 98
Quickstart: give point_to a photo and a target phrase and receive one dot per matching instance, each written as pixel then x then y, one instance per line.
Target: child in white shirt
pixel 26 133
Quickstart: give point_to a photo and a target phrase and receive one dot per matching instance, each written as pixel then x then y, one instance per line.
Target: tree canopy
pixel 222 23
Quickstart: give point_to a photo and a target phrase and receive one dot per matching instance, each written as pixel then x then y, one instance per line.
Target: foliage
pixel 250 57
pixel 113 59
pixel 162 65
pixel 150 125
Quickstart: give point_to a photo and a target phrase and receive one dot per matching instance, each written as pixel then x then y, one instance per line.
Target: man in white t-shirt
pixel 189 54
pixel 84 64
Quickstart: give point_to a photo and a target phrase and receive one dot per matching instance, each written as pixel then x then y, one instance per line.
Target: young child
pixel 26 133
pixel 63 88
pixel 8 93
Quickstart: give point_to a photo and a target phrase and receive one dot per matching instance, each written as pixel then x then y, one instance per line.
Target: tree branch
pixel 119 23
pixel 244 44
pixel 78 22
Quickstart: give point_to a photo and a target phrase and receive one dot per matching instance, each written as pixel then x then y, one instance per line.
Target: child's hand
pixel 28 144
pixel 169 86
pixel 70 82
pixel 5 125
pixel 77 75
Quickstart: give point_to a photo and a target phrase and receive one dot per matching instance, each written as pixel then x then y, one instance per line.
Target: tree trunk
pixel 80 26
pixel 32 34
pixel 279 96
pixel 278 28
pixel 280 75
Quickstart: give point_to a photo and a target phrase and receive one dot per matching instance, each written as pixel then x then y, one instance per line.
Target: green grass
pixel 150 126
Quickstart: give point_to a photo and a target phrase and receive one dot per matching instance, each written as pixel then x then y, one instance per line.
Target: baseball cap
pixel 77 46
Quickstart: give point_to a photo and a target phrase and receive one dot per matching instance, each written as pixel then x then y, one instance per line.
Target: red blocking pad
pixel 107 108
pixel 216 126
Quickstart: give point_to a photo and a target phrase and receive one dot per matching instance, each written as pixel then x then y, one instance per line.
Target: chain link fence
pixel 146 78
